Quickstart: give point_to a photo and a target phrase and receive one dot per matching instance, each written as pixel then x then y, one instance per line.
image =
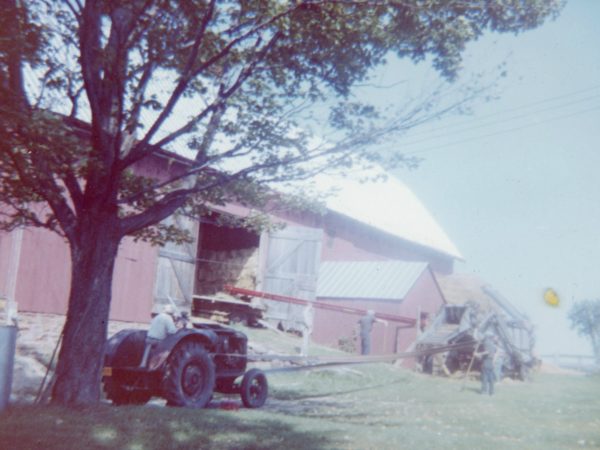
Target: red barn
pixel 368 222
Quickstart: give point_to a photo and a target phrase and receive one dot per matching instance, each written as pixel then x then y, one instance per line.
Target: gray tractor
pixel 184 369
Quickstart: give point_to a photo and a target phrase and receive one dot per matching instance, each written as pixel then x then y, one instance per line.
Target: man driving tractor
pixel 161 326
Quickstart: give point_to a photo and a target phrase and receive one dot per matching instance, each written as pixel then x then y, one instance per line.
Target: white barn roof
pixel 389 206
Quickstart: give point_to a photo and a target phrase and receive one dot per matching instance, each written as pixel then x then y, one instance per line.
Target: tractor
pixel 185 368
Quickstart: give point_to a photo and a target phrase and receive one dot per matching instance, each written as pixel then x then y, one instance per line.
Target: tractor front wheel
pixel 254 389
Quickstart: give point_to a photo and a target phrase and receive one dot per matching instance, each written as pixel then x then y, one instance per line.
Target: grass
pixel 371 406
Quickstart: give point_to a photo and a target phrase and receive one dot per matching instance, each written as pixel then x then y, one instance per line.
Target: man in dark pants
pixel 488 375
pixel 366 326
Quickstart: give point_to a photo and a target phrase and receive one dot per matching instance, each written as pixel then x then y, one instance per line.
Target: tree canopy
pixel 217 80
pixel 91 89
pixel 585 320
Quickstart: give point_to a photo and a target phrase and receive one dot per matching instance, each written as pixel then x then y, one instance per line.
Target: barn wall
pixel 44 276
pixel 331 328
pixel 134 282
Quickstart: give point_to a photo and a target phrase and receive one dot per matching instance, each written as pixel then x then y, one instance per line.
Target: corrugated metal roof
pixel 382 280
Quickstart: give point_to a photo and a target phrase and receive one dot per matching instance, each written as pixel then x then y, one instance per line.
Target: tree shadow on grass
pixel 149 428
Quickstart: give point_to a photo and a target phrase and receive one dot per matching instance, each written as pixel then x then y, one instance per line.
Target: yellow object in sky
pixel 551 297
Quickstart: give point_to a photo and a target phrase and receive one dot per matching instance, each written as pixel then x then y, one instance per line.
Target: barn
pixel 395 290
pixel 378 226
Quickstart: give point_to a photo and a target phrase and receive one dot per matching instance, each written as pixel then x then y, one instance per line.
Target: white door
pixel 290 265
pixel 177 267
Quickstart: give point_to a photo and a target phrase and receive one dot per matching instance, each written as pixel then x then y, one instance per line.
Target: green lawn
pixel 361 407
pixel 373 406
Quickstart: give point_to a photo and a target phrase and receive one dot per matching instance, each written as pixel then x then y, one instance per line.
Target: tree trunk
pixel 78 371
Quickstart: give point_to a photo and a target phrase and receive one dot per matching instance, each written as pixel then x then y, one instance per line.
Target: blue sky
pixel 515 183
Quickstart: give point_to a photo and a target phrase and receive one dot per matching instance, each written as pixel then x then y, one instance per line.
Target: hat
pixel 169 309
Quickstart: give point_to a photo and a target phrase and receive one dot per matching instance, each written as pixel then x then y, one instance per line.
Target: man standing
pixel 307 327
pixel 366 326
pixel 488 355
pixel 161 326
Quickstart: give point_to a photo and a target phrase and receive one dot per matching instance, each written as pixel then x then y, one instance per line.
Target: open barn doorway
pixel 227 255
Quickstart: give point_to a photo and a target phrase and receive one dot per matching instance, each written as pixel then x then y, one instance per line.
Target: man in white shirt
pixel 307 328
pixel 161 326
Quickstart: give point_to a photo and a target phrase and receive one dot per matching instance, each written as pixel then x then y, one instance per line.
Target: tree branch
pixel 162 209
pixel 90 51
pixel 186 75
pixel 46 189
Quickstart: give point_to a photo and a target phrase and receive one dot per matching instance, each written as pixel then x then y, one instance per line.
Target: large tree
pixel 90 89
pixel 585 319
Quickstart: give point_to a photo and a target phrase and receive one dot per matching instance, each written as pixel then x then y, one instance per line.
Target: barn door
pixel 290 264
pixel 177 267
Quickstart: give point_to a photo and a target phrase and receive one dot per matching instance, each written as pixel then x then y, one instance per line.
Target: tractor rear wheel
pixel 189 376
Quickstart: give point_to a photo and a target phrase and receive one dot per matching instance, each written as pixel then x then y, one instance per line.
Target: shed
pixel 400 288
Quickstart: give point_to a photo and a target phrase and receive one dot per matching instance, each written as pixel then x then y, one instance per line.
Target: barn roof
pixel 388 205
pixel 381 280
pixel 384 202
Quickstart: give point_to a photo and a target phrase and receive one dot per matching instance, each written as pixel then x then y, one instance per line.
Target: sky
pixel 515 182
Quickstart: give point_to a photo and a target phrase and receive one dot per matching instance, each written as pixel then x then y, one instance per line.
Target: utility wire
pixel 517 108
pixel 464 129
pixel 476 138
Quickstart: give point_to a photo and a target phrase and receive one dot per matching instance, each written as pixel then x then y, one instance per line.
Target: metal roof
pixel 381 280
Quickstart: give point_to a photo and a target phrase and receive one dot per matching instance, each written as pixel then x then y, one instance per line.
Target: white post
pixel 8 332
pixel 13 273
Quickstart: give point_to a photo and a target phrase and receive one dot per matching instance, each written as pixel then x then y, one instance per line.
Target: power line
pixel 464 129
pixel 519 108
pixel 438 147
